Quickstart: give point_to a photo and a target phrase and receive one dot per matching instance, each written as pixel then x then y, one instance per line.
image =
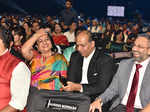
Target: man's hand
pixel 96 105
pixel 146 109
pixel 72 86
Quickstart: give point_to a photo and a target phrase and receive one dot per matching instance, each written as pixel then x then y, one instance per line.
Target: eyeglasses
pixel 139 46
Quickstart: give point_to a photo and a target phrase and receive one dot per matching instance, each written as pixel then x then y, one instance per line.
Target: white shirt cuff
pixel 81 90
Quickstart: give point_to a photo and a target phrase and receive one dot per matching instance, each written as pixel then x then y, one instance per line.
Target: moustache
pixel 135 52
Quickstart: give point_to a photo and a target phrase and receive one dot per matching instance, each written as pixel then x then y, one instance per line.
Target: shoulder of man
pixel 100 55
pixel 126 62
pixel 76 54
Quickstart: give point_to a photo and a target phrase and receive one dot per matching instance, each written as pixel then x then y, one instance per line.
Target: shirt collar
pixel 90 56
pixel 144 62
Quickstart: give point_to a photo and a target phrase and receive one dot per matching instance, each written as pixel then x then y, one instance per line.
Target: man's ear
pixel 93 43
pixel 149 51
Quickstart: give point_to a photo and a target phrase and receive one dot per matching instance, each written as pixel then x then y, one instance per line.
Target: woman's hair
pixel 28 23
pixel 19 30
pixel 5 36
pixel 54 48
pixel 58 25
pixel 117 33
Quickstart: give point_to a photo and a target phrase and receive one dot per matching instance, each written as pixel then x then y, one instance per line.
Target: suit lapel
pixel 145 83
pixel 126 76
pixel 146 75
pixel 80 64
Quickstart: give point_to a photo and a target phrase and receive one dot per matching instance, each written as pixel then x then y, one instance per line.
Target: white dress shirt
pixel 142 70
pixel 86 61
pixel 19 85
pixel 70 36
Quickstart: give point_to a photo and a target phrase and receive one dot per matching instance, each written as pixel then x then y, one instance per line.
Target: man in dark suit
pixel 131 82
pixel 89 71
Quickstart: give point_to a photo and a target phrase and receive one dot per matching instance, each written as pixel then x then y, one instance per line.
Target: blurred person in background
pixel 19 38
pixel 58 36
pixel 68 14
pixel 71 33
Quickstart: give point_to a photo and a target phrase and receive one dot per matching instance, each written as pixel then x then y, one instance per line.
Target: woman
pixel 58 37
pixel 47 64
pixel 18 37
pixel 27 27
pixel 17 42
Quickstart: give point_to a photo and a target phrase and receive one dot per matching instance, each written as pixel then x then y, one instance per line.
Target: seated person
pixel 58 37
pixel 131 82
pixel 89 71
pixel 47 65
pixel 14 76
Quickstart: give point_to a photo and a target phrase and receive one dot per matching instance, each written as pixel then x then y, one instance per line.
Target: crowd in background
pixel 45 43
pixel 112 36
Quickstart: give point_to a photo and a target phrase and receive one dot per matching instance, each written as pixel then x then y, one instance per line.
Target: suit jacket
pixel 100 72
pixel 120 83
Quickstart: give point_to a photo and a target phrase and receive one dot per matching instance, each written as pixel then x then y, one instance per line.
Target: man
pixel 14 77
pixel 68 14
pixel 68 51
pixel 131 82
pixel 89 71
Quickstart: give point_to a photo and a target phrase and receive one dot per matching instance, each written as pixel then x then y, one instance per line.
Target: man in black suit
pixel 89 71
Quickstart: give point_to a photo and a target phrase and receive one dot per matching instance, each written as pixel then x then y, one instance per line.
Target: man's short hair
pixel 88 33
pixel 6 36
pixel 144 35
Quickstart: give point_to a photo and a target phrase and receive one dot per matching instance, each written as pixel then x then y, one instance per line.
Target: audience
pixel 113 38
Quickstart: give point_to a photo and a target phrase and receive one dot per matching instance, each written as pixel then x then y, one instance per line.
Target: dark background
pixel 93 8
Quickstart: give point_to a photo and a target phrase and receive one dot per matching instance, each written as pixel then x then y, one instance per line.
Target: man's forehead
pixel 141 39
pixel 82 37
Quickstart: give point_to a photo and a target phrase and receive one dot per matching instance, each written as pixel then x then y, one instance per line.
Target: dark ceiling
pixel 96 8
